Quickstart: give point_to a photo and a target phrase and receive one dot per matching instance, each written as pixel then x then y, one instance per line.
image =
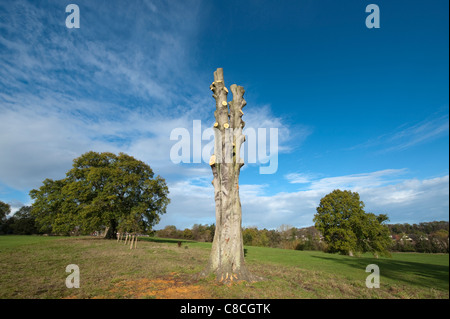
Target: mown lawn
pixel 34 267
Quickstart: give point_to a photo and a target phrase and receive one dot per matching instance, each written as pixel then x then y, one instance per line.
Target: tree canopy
pixel 347 228
pixel 101 191
pixel 22 222
pixel 5 209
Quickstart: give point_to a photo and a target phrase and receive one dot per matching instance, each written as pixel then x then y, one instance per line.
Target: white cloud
pixel 190 204
pixel 41 142
pixel 257 116
pixel 411 200
pixel 403 200
pixel 357 182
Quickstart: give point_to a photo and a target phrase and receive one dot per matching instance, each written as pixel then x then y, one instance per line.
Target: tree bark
pixel 111 230
pixel 227 252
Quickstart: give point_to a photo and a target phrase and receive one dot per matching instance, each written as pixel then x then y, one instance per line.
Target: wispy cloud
pixel 409 135
pixel 65 92
pixel 126 51
pixel 418 133
pixel 300 178
pixel 120 83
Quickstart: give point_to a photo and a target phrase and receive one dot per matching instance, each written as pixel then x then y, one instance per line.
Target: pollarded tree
pixel 347 228
pixel 227 253
pixel 102 190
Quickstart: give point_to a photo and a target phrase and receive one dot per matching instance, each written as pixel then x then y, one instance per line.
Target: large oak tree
pixel 347 228
pixel 101 191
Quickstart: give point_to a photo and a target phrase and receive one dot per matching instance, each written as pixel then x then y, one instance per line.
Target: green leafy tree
pixel 274 238
pixel 212 230
pixel 261 240
pixel 347 228
pixel 5 209
pixel 249 236
pixel 24 222
pixel 187 233
pixel 47 208
pixel 170 231
pixel 102 191
pixel 440 237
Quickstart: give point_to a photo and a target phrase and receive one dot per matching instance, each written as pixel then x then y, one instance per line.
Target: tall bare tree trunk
pixel 227 253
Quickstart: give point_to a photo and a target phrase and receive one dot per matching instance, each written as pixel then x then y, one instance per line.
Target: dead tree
pixel 227 252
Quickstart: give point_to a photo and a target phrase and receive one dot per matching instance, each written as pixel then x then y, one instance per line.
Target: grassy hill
pixel 34 267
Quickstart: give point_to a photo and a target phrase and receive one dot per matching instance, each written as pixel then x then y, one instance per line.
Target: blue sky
pixel 356 108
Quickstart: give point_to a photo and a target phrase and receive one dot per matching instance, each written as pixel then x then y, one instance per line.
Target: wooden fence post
pixel 132 237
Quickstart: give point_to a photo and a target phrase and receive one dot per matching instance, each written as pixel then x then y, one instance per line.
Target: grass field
pixel 34 267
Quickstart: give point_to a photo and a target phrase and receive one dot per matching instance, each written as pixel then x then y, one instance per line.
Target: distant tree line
pixel 428 237
pixel 21 223
pixel 285 236
pixel 203 233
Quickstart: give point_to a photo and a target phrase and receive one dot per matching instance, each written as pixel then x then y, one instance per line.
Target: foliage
pixel 5 209
pixel 203 233
pixel 263 238
pixel 347 228
pixel 47 207
pixel 427 237
pixel 421 228
pixel 102 190
pixel 23 223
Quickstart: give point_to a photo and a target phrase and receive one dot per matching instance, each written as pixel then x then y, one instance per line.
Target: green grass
pixel 34 267
pixel 15 241
pixel 421 270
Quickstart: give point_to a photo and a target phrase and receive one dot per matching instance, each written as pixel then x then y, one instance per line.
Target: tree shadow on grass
pixel 165 240
pixel 413 273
